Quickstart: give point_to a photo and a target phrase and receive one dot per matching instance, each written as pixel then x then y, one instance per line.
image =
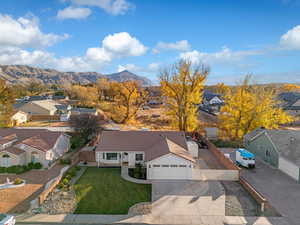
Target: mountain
pixel 126 75
pixel 18 74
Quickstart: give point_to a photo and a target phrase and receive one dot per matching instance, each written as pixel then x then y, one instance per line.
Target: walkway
pixel 125 176
pixel 149 219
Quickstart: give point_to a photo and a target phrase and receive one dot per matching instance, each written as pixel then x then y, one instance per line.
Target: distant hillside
pixel 126 75
pixel 18 74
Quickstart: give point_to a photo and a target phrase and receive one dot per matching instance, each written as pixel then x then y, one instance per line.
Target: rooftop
pixel 153 143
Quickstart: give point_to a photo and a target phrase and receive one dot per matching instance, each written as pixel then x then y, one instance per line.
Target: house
pixel 279 148
pixel 211 102
pixel 290 102
pixel 42 107
pixel 22 146
pixel 19 117
pixel 210 98
pixel 165 154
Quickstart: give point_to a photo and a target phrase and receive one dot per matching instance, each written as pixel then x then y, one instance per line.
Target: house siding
pixel 289 168
pixel 263 148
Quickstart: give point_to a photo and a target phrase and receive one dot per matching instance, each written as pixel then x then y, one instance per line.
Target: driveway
pixel 188 198
pixel 280 190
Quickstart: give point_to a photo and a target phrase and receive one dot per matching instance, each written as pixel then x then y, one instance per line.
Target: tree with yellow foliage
pixel 182 88
pixel 222 89
pixel 248 107
pixel 129 97
pixel 87 95
pixel 6 103
pixel 291 87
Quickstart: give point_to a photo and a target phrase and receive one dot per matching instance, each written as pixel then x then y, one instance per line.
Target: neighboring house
pixel 165 154
pixel 210 98
pixel 42 107
pixel 279 148
pixel 211 102
pixel 80 111
pixel 22 146
pixel 19 117
pixel 290 102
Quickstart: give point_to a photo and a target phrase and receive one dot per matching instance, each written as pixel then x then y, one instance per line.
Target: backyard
pixel 103 191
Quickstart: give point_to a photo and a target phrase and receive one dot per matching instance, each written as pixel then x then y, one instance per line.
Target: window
pixel 174 166
pixel 165 165
pixel 268 153
pixel 111 156
pixel 182 165
pixel 156 165
pixel 139 157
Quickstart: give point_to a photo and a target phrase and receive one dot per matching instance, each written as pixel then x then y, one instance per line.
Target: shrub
pixel 37 166
pixel 76 142
pixel 226 144
pixel 30 165
pixel 65 161
pixel 66 181
pixel 2 169
pixel 18 181
pixel 77 168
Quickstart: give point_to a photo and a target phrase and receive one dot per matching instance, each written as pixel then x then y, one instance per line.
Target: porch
pixel 119 159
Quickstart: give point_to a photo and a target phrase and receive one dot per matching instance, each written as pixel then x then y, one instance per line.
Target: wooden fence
pixel 44 118
pixel 227 163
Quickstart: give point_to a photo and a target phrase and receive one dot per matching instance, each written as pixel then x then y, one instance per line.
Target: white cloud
pixel 114 7
pixel 94 59
pixel 73 13
pixel 117 45
pixel 291 39
pixel 25 32
pixel 123 44
pixel 182 45
pixel 223 56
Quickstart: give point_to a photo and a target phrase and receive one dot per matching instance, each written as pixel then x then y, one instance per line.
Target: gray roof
pixel 208 95
pixel 83 110
pixel 287 142
pixel 289 99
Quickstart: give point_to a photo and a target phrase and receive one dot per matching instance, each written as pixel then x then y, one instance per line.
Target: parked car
pixel 7 219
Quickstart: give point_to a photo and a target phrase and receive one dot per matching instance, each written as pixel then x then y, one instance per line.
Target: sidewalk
pixel 149 219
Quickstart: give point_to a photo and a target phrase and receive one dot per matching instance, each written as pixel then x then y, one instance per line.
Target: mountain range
pixel 20 74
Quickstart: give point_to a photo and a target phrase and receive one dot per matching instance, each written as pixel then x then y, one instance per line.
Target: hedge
pixel 20 169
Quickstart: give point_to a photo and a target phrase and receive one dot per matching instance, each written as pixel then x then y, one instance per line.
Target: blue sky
pixel 234 37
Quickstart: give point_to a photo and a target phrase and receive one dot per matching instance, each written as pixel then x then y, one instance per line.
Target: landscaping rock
pixel 142 208
pixel 59 202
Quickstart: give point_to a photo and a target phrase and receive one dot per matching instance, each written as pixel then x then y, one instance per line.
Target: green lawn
pixel 103 191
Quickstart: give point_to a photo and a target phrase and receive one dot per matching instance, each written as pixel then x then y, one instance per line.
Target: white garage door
pixel 289 168
pixel 166 171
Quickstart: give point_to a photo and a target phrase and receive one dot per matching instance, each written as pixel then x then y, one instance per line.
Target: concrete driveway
pixel 280 190
pixel 188 198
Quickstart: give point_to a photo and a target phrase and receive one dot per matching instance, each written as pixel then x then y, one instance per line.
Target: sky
pixel 232 37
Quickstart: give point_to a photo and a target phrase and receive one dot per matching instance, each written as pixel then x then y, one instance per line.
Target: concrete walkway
pixel 149 219
pixel 125 176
